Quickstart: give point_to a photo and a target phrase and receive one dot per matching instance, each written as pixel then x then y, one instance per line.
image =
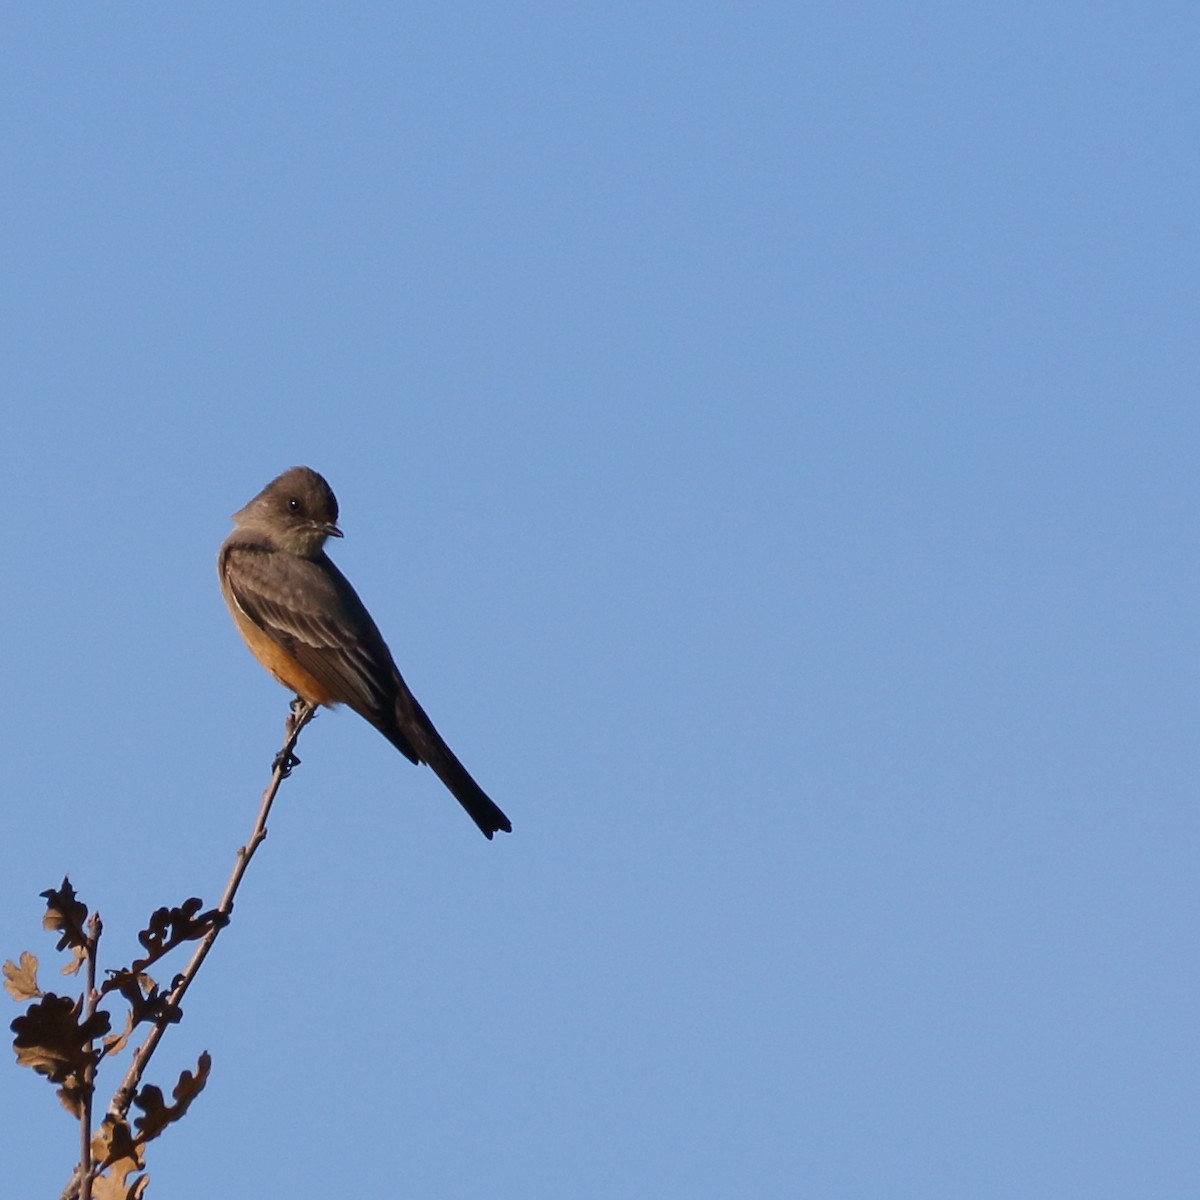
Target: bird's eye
pixel 293 505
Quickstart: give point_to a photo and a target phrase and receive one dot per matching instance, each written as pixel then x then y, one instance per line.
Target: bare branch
pixel 88 1082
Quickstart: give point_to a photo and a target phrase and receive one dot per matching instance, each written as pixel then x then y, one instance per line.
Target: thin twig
pixel 91 998
pixel 302 712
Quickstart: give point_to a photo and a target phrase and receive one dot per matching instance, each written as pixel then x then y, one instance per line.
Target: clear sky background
pixel 767 436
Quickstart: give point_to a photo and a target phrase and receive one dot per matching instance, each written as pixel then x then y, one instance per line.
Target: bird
pixel 305 623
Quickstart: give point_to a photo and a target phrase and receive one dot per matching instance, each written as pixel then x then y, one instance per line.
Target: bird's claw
pixel 284 764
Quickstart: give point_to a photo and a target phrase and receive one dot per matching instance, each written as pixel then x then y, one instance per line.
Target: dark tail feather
pixel 480 807
pixel 413 734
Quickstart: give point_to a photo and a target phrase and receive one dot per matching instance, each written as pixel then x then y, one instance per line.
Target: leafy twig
pixel 300 716
pixel 168 928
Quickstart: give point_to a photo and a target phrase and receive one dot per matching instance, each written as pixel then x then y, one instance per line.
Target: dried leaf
pixel 20 979
pixel 146 1002
pixel 158 1114
pixel 66 915
pixel 54 1042
pixel 70 1096
pixel 169 927
pixel 78 958
pixel 192 1083
pixel 115 1043
pixel 114 1182
pixel 150 1100
pixel 113 1141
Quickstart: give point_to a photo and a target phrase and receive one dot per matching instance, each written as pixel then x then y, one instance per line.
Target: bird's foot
pixel 284 763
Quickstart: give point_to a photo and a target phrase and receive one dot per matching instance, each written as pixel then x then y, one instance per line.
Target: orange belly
pixel 281 664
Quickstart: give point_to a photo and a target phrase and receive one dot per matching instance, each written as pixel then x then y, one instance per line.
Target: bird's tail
pixel 414 735
pixel 479 805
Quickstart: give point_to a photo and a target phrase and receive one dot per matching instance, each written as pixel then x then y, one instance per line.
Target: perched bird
pixel 304 622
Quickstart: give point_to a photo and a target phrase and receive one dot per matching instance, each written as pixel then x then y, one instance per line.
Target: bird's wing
pixel 309 608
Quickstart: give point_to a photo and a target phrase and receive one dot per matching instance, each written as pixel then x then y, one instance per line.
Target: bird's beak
pixel 331 530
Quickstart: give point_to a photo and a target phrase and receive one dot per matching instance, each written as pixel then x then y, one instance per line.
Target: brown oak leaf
pixel 20 978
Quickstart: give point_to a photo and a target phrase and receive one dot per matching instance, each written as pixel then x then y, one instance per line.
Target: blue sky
pixel 767 437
